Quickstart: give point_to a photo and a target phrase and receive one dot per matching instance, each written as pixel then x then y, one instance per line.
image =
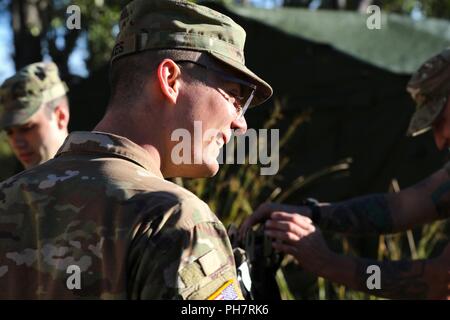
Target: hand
pixel 264 211
pixel 296 235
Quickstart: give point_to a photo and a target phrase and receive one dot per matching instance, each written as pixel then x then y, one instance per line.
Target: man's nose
pixel 239 125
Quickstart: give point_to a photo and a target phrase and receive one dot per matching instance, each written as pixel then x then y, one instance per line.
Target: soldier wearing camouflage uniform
pixel 430 89
pixel 34 112
pixel 102 207
pixel 425 202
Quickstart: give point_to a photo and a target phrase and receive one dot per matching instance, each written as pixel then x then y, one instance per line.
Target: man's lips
pixel 25 155
pixel 222 140
pixel 225 138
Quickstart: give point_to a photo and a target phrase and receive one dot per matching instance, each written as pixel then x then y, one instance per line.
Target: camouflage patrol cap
pixel 430 88
pixel 23 94
pixel 183 25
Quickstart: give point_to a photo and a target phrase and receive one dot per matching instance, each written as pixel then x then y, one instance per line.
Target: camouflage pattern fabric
pixel 183 25
pixel 430 88
pixel 103 205
pixel 22 95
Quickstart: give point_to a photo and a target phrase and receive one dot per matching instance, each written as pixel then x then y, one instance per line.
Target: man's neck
pixel 130 130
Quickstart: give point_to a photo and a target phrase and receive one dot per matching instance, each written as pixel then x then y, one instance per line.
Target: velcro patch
pixel 228 291
pixel 210 262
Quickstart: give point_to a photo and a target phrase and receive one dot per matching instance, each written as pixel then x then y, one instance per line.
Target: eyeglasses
pixel 240 102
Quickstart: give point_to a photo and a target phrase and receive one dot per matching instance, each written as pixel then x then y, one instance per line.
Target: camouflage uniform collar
pixel 101 142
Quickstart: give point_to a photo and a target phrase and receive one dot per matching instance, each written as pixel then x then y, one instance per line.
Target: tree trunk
pixel 27 46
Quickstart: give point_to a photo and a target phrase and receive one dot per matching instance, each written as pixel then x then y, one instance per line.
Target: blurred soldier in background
pixel 34 113
pixel 102 207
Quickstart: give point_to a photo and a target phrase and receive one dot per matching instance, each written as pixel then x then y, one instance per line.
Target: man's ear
pixel 169 79
pixel 61 114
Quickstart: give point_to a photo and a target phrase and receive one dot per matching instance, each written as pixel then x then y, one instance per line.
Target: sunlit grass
pixel 236 191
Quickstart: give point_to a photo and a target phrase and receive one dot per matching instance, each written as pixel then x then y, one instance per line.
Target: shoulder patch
pixel 210 262
pixel 228 291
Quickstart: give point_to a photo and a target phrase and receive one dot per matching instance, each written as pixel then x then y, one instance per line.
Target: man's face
pixel 35 141
pixel 441 128
pixel 209 110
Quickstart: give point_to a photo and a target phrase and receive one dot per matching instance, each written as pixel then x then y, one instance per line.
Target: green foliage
pixel 98 21
pixel 237 190
pixel 7 159
pixel 234 193
pixel 431 8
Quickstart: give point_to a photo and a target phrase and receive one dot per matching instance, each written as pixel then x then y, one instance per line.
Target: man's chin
pixel 29 163
pixel 205 170
pixel 213 170
pixel 212 167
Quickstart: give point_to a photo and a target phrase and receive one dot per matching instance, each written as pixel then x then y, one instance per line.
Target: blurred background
pixel 340 104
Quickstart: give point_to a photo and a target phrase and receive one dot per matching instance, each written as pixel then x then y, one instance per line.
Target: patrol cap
pixel 182 25
pixel 23 94
pixel 429 87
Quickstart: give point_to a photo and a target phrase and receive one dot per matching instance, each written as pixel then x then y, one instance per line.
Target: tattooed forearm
pixel 399 279
pixel 441 200
pixel 370 214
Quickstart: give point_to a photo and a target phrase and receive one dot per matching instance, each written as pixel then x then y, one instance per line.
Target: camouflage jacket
pixel 102 206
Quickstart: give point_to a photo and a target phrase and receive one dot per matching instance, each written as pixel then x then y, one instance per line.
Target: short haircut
pixel 129 74
pixel 50 106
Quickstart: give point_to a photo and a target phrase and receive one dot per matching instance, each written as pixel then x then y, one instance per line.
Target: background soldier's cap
pixel 429 87
pixel 23 94
pixel 182 25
